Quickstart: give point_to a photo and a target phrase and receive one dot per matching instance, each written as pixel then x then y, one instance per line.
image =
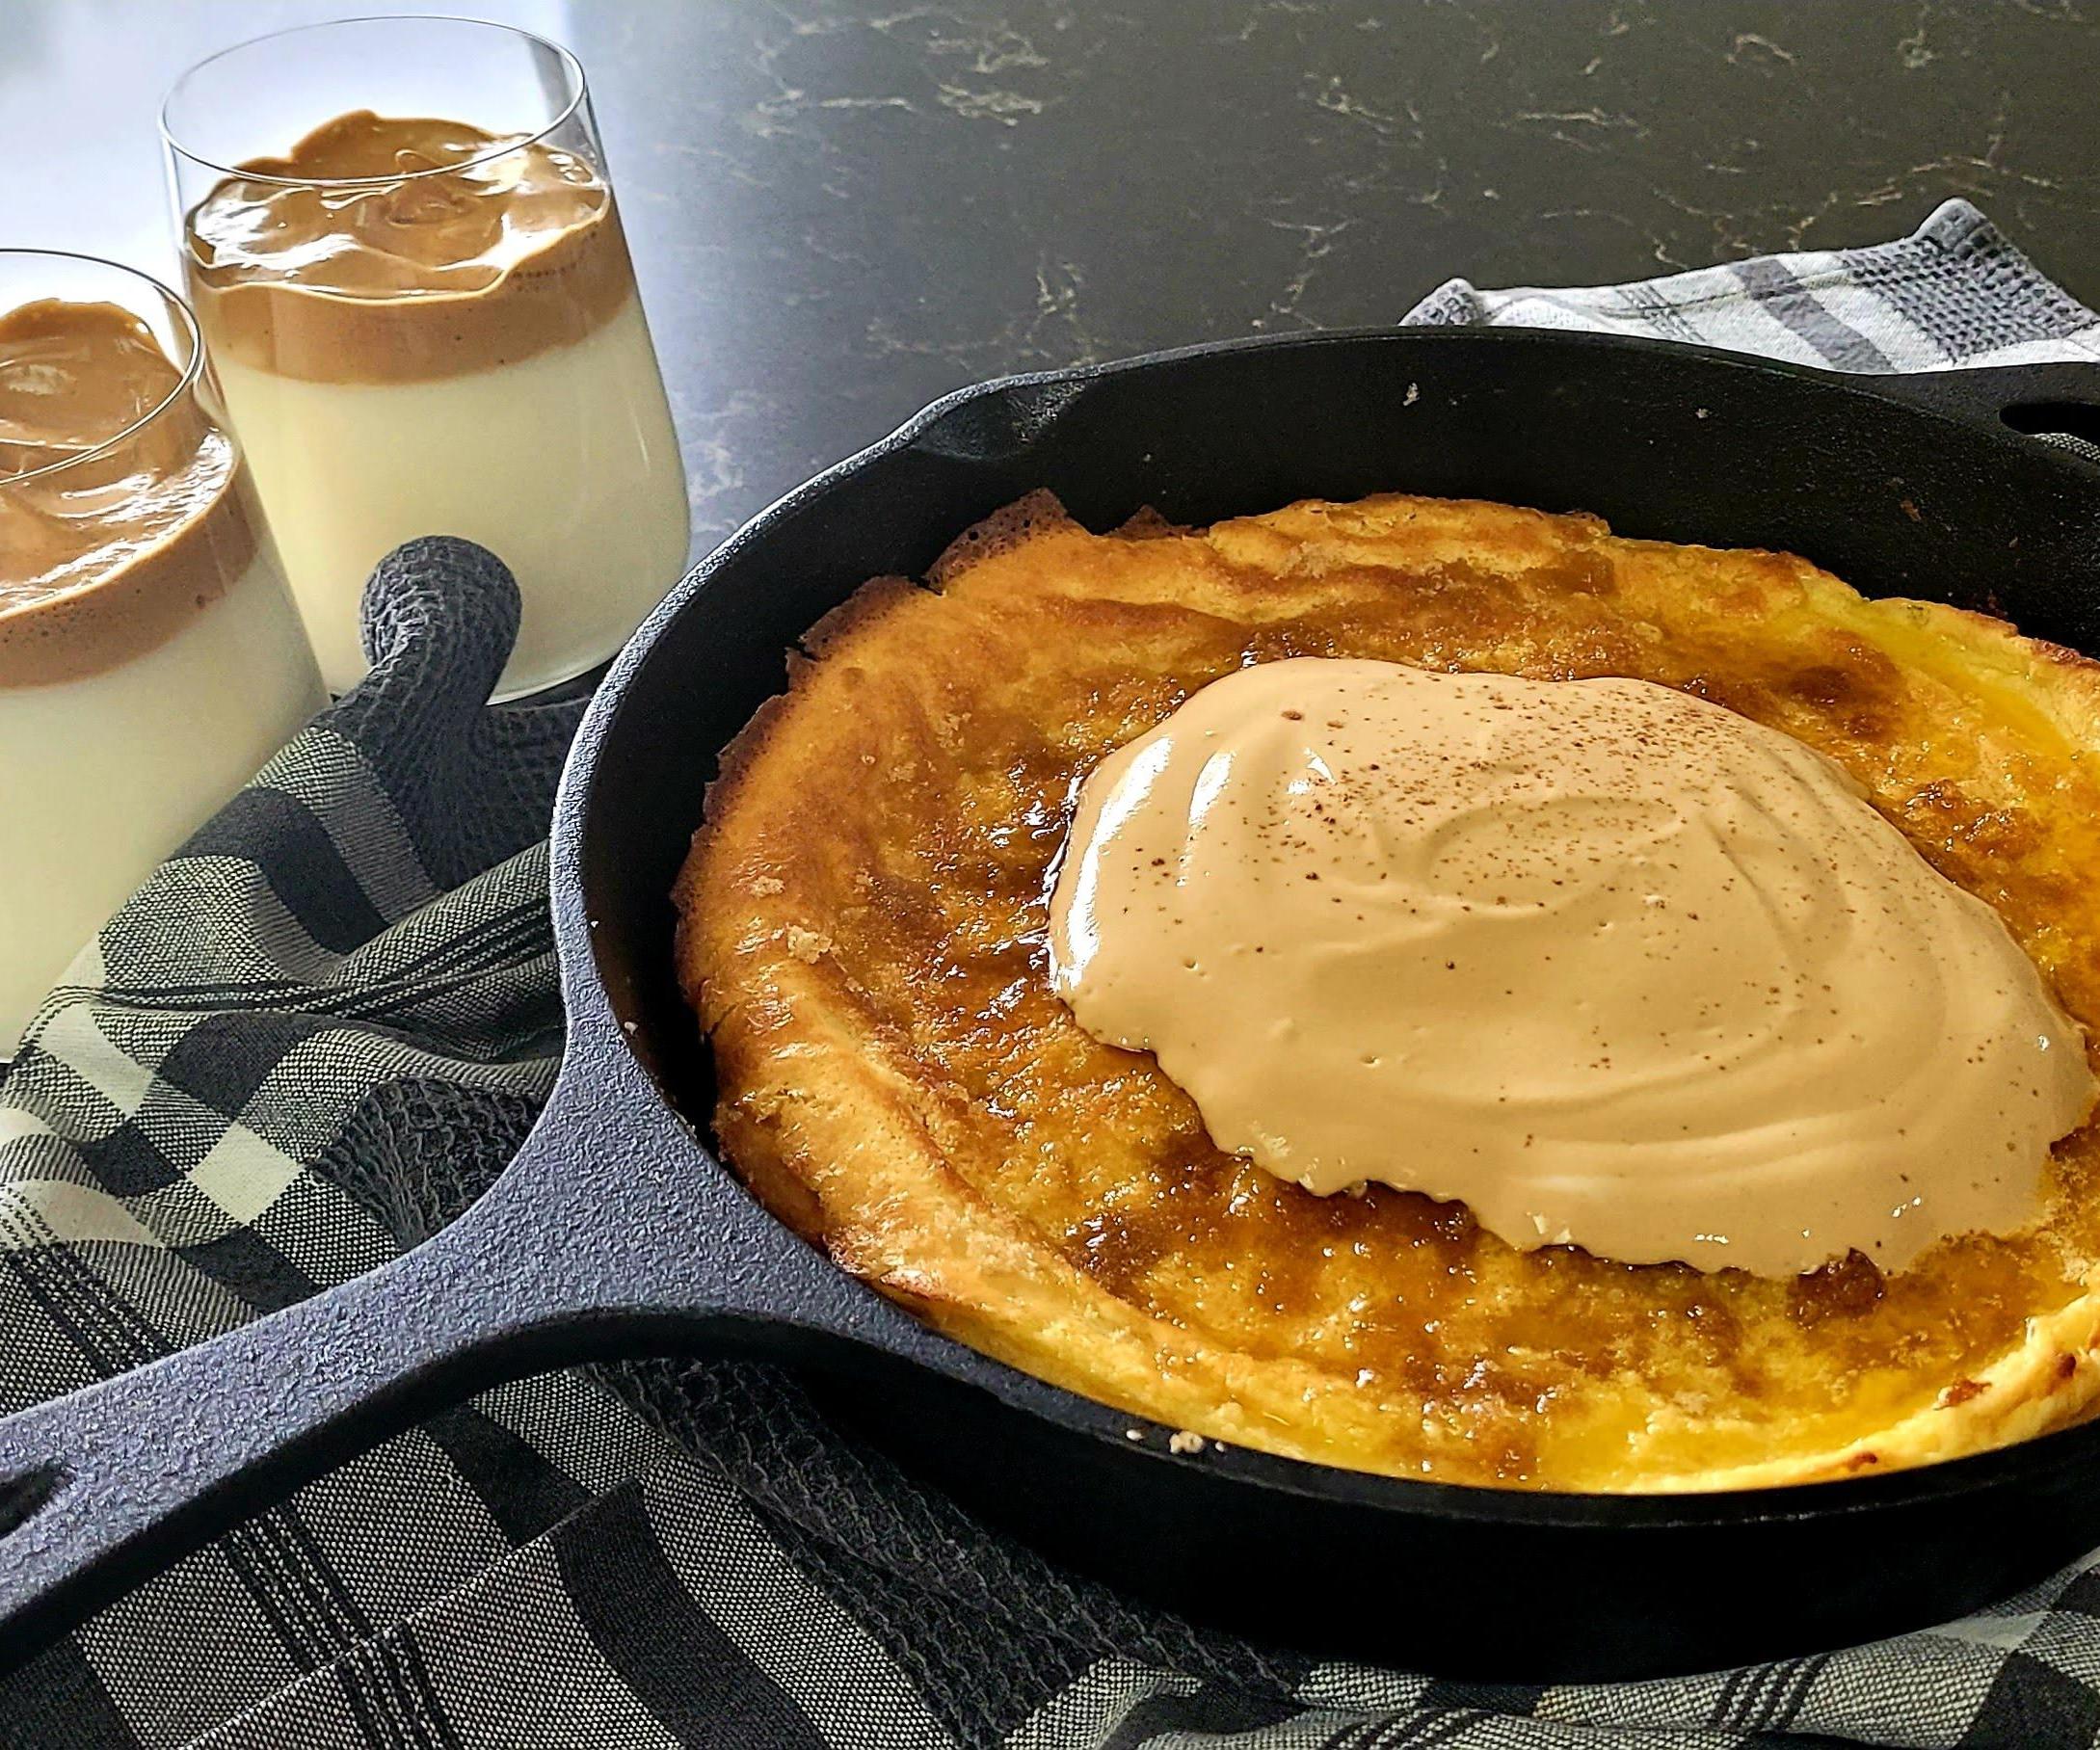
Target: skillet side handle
pixel 105 1486
pixel 2034 399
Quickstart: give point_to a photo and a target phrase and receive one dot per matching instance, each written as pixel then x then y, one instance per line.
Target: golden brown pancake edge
pixel 861 934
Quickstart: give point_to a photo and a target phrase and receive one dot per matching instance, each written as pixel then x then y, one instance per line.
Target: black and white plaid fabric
pixel 322 1028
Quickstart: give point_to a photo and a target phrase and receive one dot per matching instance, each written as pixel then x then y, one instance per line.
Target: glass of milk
pixel 151 657
pixel 404 252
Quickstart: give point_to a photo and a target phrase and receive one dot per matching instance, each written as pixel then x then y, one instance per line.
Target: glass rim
pixel 572 67
pixel 192 369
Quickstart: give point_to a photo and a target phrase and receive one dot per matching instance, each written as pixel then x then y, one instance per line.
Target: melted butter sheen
pixel 1614 967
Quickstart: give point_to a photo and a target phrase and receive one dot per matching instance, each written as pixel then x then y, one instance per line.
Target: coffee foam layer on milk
pixel 124 509
pixel 401 249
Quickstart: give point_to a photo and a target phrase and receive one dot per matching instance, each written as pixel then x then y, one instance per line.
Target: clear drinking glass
pixel 150 658
pixel 403 248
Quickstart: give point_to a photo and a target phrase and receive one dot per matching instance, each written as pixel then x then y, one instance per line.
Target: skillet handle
pixel 2037 400
pixel 107 1485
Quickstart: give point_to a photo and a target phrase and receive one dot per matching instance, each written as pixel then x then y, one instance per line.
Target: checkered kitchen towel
pixel 322 1028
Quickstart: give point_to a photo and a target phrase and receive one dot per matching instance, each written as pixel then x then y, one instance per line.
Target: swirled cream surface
pixel 1617 967
pixel 140 530
pixel 389 249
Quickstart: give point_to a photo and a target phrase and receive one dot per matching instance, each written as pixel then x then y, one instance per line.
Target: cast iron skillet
pixel 615 1231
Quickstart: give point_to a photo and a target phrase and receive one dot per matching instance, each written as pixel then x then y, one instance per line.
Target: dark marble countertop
pixel 842 209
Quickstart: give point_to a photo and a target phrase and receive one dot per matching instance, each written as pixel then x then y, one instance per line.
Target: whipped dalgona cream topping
pixel 123 514
pixel 1615 966
pixel 392 248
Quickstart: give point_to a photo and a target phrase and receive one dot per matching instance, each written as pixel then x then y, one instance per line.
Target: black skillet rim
pixel 1915 1487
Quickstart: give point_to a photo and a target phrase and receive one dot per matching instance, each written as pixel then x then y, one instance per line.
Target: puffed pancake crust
pixel 862 934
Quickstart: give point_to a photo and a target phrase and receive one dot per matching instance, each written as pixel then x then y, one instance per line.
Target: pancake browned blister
pixel 863 935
